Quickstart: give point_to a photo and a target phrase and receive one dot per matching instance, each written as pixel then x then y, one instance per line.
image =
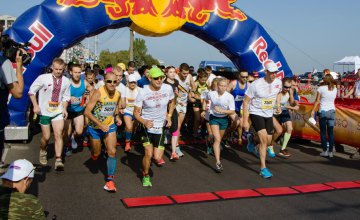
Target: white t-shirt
pixel 7 74
pixel 211 77
pixel 121 88
pixel 136 74
pixel 154 105
pixel 327 98
pixel 130 97
pixel 225 102
pixel 263 97
pixel 357 89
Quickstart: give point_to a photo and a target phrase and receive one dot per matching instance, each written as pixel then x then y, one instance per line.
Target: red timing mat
pixel 279 191
pixel 196 197
pixel 236 194
pixel 312 188
pixel 344 185
pixel 147 201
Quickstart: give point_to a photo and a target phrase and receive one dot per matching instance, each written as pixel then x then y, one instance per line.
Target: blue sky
pixel 311 34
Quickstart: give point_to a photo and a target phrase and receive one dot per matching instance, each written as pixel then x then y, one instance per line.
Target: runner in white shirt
pixel 186 89
pixel 54 95
pixel 261 97
pixel 212 76
pixel 128 103
pixel 151 107
pixel 132 71
pixel 222 105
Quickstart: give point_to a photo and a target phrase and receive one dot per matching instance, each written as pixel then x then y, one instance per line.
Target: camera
pixel 10 48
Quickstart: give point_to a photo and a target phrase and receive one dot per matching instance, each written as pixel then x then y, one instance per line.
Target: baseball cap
pixel 108 69
pixel 122 66
pixel 155 72
pixel 334 75
pixel 132 78
pixel 271 67
pixel 18 170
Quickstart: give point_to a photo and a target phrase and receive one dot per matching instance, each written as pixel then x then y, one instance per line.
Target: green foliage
pixel 140 55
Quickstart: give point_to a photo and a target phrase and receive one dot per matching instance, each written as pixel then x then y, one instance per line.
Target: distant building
pixel 7 21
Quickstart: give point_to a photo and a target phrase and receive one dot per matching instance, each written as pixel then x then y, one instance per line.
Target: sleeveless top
pixel 76 103
pixel 239 95
pixel 200 89
pixel 105 108
pixel 184 89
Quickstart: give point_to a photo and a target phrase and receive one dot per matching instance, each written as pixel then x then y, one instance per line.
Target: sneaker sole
pixel 109 190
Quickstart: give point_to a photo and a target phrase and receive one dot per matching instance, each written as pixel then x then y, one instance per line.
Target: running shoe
pixel 127 147
pixel 265 173
pixel 85 142
pixel 256 151
pixel 174 156
pixel 74 144
pixel 250 146
pixel 219 167
pixel 146 181
pixel 331 154
pixel 67 151
pixel 43 157
pixel 270 151
pixel 284 153
pixel 59 164
pixel 110 186
pixel 178 152
pixel 324 154
pixel 160 162
pixel 209 150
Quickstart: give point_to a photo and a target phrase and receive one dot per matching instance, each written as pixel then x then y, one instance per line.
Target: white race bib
pixel 155 130
pixel 267 103
pixel 53 106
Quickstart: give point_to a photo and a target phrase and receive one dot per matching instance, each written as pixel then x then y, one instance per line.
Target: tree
pixel 140 55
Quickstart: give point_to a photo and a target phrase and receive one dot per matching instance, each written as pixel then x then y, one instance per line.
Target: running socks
pixel 286 140
pixel 111 165
pixel 128 136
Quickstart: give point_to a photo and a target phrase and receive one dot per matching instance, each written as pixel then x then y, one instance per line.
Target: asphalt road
pixel 77 192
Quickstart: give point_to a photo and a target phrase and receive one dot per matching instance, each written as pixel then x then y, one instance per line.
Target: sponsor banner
pixel 347 124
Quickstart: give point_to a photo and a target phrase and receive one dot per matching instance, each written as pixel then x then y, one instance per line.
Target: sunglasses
pixel 287 87
pixel 250 81
pixel 244 77
pixel 111 81
pixel 157 78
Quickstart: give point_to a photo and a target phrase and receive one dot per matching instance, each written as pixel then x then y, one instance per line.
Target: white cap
pixel 334 75
pixel 312 121
pixel 18 170
pixel 132 78
pixel 271 67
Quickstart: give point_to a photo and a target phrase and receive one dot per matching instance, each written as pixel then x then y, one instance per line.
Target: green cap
pixel 155 72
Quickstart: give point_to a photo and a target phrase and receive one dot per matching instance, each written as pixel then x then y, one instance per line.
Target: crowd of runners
pixel 94 107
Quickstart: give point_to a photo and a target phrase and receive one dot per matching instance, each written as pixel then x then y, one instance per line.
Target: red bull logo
pixel 153 17
pixel 259 47
pixel 42 36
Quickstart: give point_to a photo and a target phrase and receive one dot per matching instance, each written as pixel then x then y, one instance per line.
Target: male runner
pixel 153 105
pixel 102 111
pixel 54 95
pixel 262 93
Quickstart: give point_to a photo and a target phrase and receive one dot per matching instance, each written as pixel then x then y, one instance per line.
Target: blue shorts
pixel 98 133
pixel 129 115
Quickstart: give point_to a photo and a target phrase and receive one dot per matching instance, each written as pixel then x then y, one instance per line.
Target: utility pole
pixel 131 45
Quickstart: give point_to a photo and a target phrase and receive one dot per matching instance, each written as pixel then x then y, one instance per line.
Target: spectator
pixel 356 89
pixel 10 81
pixel 15 204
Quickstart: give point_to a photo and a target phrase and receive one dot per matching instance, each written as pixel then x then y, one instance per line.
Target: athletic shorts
pixel 129 115
pixel 97 134
pixel 223 122
pixel 283 117
pixel 181 108
pixel 196 104
pixel 156 140
pixel 259 123
pixel 46 120
pixel 72 115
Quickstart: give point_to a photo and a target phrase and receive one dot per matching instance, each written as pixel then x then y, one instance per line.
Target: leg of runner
pixel 210 139
pixel 146 164
pixel 278 130
pixel 158 146
pixel 58 128
pixel 265 139
pixel 45 137
pixel 79 129
pixel 129 124
pixel 197 120
pixel 67 135
pixel 217 139
pixel 174 140
pixel 287 135
pixel 181 117
pixel 110 144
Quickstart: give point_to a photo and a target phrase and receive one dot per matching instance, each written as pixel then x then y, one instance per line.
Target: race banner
pixel 347 124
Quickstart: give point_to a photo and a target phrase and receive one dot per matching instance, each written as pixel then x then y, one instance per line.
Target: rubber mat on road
pixel 312 188
pixel 278 191
pixel 344 185
pixel 196 197
pixel 237 194
pixel 147 201
pixel 357 181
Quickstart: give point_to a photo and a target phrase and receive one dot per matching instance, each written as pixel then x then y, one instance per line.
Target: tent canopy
pixel 349 60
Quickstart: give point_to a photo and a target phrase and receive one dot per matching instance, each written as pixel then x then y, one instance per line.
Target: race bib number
pixel 75 100
pixel 108 111
pixel 53 107
pixel 155 130
pixel 267 103
pixel 239 98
